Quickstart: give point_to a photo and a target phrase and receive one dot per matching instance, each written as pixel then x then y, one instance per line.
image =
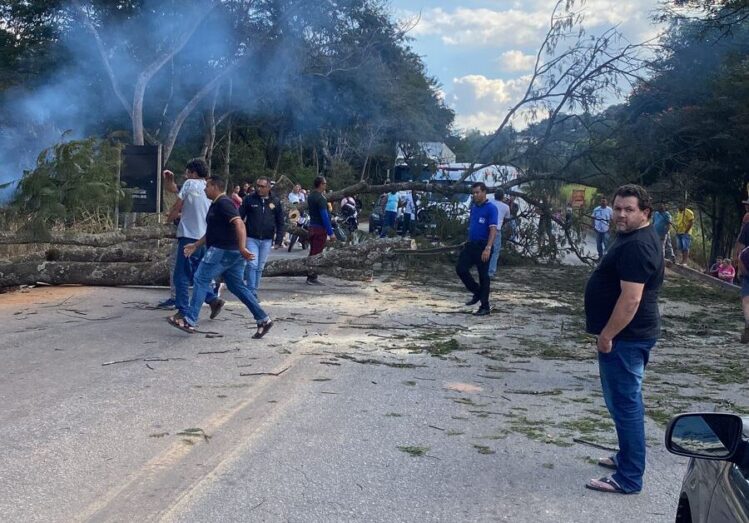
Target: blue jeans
pixel 683 242
pixel 184 270
pixel 388 222
pixel 621 380
pixel 602 242
pixel 254 271
pixel 513 229
pixel 495 253
pixel 229 264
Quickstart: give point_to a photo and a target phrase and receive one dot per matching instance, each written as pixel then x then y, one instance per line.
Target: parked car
pixel 716 485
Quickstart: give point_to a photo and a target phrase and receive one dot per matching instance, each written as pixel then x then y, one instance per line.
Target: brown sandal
pixel 177 321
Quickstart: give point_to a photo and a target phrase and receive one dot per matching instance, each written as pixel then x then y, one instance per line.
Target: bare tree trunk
pixel 279 150
pixel 209 131
pixel 363 176
pixel 227 150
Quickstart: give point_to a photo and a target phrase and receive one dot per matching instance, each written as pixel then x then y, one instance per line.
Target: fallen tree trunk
pixel 355 262
pixel 350 263
pixel 110 254
pixel 106 239
pixel 84 273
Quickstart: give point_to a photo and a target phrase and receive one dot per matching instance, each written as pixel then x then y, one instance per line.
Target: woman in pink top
pixel 726 271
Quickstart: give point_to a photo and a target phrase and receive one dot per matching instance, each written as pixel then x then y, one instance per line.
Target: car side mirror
pixel 711 435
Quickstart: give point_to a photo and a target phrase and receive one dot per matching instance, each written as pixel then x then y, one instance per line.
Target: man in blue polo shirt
pixel 482 228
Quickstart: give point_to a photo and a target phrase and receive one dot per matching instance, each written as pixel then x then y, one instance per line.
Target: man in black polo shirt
pixel 226 256
pixel 482 228
pixel 621 308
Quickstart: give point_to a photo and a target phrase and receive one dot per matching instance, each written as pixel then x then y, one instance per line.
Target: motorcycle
pixel 301 220
pixel 346 222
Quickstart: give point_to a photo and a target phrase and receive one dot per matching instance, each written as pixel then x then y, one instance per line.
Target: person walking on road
pixel 191 208
pixel 601 222
pixel 683 227
pixel 482 229
pixel 621 309
pixel 390 220
pixel 320 227
pixel 662 224
pixel 226 240
pixel 264 221
pixel 503 214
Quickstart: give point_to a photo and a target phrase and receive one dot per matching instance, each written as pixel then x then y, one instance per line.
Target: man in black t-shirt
pixel 227 255
pixel 320 227
pixel 621 308
pixel 741 243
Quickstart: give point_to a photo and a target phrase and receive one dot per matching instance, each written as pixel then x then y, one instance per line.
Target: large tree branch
pixel 104 58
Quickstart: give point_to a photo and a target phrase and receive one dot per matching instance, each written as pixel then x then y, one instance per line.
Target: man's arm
pixel 169 184
pixel 241 234
pixel 487 253
pixel 192 247
pixel 624 310
pixel 689 220
pixel 175 210
pixel 737 259
pixel 326 222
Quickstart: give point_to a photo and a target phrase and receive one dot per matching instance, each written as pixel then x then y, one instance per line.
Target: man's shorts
pixel 683 242
pixel 745 286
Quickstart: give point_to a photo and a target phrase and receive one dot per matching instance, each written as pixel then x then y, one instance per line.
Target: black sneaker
pixel 314 282
pixel 482 312
pixel 167 304
pixel 474 300
pixel 216 306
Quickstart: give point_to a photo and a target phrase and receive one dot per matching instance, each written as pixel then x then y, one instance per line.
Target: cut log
pixel 153 232
pixel 109 254
pixel 351 263
pixel 84 273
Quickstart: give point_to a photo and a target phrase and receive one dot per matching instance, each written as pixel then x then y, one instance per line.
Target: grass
pixel 588 425
pixel 414 452
pixel 484 450
pixel 660 416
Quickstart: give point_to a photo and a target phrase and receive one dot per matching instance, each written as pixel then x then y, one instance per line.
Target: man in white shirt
pixel 297 196
pixel 406 199
pixel 602 216
pixel 191 207
pixel 503 214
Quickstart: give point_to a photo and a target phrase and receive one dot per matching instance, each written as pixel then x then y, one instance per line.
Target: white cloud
pixel 525 24
pixel 481 102
pixel 515 60
pixel 482 27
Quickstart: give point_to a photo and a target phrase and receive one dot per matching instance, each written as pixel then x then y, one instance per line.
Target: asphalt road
pixel 109 414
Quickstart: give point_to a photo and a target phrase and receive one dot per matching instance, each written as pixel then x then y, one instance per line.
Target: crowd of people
pixel 225 237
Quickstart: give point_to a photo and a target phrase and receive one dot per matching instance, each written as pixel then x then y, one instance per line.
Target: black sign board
pixel 139 174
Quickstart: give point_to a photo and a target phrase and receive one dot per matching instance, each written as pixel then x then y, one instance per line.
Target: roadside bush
pixel 73 183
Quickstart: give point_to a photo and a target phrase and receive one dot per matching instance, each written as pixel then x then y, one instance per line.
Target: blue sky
pixel 481 50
